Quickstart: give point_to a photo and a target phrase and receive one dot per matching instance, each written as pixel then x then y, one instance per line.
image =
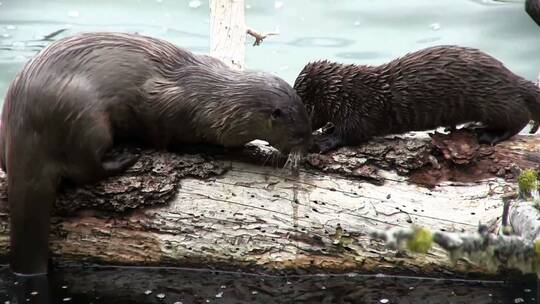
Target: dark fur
pixel 532 7
pixel 436 86
pixel 83 94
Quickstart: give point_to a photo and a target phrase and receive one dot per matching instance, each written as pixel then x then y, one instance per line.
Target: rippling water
pixel 364 32
pixel 350 31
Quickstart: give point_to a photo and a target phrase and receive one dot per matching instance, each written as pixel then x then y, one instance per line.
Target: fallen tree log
pixel 226 211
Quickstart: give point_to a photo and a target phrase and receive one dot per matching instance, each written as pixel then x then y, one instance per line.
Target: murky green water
pixel 351 31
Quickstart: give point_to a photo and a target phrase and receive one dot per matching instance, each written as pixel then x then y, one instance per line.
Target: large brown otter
pixel 436 86
pixel 83 94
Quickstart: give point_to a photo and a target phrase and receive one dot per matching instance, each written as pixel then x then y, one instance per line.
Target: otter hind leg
pixel 495 134
pixel 493 137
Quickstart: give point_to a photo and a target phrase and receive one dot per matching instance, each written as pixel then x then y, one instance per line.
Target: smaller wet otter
pixel 532 7
pixel 433 87
pixel 82 95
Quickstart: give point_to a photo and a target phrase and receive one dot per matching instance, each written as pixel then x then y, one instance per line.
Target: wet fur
pixel 83 94
pixel 532 7
pixel 436 86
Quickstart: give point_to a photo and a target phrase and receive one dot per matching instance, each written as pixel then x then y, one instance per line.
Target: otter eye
pixel 276 113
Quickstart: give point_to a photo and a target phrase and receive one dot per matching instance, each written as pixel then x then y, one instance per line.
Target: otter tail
pixel 32 186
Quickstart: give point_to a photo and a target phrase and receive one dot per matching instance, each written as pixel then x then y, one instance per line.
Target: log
pixel 224 210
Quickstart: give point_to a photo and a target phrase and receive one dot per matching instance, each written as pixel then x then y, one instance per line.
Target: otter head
pixel 316 84
pixel 267 108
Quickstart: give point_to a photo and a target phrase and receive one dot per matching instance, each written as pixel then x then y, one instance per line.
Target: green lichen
pixel 528 182
pixel 421 240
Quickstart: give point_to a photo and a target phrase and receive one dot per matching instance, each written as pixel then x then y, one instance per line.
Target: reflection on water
pixel 154 285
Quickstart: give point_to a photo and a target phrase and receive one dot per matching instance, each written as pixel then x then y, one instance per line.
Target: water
pixel 349 31
pixel 153 285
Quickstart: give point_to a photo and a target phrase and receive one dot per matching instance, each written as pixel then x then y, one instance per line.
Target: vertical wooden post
pixel 228 31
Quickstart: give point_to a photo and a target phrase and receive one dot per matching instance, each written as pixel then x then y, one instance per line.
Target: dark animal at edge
pixel 532 7
pixel 83 94
pixel 437 86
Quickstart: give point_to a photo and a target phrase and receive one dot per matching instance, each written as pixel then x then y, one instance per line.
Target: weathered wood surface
pixel 228 31
pixel 241 215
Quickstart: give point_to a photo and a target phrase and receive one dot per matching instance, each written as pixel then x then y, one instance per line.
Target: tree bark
pixel 227 212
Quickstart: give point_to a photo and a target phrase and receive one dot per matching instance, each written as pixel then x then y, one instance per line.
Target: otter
pixel 426 89
pixel 84 94
pixel 532 7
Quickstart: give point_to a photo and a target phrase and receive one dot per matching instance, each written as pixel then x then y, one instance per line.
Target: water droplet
pixel 526 290
pixel 384 301
pixel 223 286
pixel 519 300
pixel 357 23
pixel 194 3
pixel 6 302
pixel 323 287
pixel 178 302
pixel 278 4
pixel 411 288
pixel 73 14
pixel 435 26
pixel 64 287
pixel 147 292
pixel 219 295
pixel 160 296
pixel 254 292
pixel 34 293
pixel 66 299
pixel 11 27
pixel 289 283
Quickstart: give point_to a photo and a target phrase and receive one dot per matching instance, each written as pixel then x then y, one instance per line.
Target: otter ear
pixel 276 113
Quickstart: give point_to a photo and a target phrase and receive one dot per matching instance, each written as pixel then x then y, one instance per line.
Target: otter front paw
pixel 119 160
pixel 324 143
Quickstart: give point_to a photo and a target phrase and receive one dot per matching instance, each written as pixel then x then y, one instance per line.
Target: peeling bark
pixel 430 161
